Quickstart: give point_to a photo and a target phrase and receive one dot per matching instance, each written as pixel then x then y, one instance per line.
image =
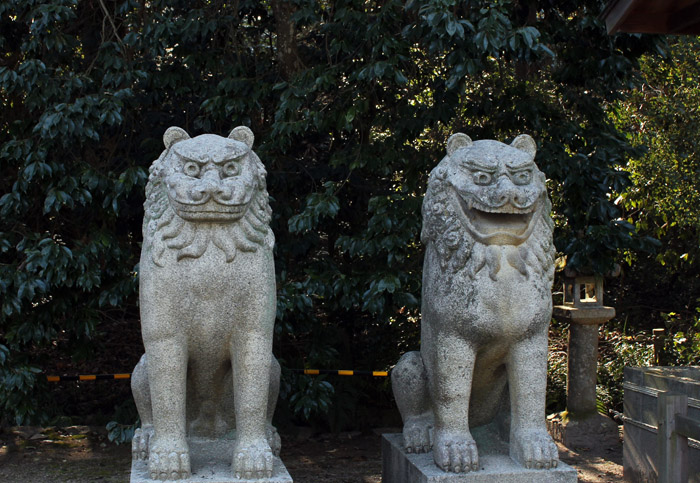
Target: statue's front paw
pixel 455 451
pixel 418 434
pixel 534 448
pixel 252 460
pixel 140 442
pixel 169 460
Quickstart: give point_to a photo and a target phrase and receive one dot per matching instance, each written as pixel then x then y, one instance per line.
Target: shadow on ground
pixel 81 454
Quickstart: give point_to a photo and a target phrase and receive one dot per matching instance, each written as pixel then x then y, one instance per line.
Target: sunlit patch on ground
pixel 81 454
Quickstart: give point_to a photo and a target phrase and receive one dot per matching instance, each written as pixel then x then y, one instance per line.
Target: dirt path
pixel 81 454
pixel 594 465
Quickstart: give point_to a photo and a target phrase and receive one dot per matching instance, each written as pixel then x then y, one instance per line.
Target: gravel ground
pixel 81 454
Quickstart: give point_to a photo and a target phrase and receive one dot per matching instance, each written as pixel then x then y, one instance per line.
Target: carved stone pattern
pixel 163 229
pixel 486 307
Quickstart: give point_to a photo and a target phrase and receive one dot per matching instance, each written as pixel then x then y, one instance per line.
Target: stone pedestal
pixel 211 463
pixel 583 432
pixel 583 354
pixel 581 425
pixel 496 466
pixel 582 368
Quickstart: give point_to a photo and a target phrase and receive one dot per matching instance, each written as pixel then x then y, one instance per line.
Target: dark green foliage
pixel 349 116
pixel 663 117
pixel 71 189
pixel 557 367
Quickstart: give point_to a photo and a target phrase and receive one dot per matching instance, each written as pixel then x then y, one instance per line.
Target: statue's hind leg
pixel 272 436
pixel 409 382
pixel 142 397
pixel 205 373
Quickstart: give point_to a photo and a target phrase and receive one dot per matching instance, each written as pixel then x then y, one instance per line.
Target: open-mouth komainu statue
pixel 207 297
pixel 486 308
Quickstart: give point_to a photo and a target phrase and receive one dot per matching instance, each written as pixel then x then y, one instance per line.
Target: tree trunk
pixel 287 53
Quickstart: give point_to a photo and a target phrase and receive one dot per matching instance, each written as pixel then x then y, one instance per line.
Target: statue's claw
pixel 418 435
pixel 534 448
pixel 274 440
pixel 169 461
pixel 140 442
pixel 253 460
pixel 455 451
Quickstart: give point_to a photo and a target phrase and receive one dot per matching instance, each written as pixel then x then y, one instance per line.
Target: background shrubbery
pixel 351 103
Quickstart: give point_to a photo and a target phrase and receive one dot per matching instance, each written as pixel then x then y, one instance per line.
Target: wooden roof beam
pixel 616 13
pixel 685 20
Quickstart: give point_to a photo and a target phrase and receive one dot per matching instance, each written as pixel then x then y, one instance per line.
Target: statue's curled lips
pixel 503 225
pixel 209 210
pixel 208 201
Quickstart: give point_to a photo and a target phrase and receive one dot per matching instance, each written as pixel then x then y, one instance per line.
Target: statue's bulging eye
pixel 482 177
pixel 191 169
pixel 522 177
pixel 231 169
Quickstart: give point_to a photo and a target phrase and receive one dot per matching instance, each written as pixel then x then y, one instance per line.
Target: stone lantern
pixel 583 309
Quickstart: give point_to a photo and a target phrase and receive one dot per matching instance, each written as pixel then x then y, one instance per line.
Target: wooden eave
pixel 653 16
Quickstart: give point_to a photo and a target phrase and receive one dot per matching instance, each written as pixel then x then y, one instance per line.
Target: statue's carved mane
pixel 456 249
pixel 164 230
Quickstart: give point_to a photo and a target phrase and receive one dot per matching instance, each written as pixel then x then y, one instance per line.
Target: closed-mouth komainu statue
pixel 486 308
pixel 207 297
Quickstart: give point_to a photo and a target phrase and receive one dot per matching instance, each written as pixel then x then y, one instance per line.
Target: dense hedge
pixel 351 103
pixel 662 290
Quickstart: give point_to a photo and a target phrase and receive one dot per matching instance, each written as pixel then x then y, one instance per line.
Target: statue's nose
pixel 206 187
pixel 504 191
pixel 210 186
pixel 507 192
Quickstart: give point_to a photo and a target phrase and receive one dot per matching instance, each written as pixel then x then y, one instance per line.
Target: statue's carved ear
pixel 174 135
pixel 456 141
pixel 525 143
pixel 244 135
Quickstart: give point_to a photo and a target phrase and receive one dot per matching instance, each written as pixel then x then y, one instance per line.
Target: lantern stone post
pixel 583 309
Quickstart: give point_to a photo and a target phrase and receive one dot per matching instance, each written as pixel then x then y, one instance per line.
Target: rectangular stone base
pixel 211 463
pixel 496 466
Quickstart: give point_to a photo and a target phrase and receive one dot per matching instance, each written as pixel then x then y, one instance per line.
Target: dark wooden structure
pixel 653 16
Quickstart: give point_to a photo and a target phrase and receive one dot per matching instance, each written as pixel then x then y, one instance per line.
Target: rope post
pixel 659 343
pixel 672 445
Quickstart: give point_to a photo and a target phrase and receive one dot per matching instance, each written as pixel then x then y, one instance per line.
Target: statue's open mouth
pixel 504 225
pixel 210 211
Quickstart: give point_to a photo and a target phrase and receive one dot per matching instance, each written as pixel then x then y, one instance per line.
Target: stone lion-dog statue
pixel 207 299
pixel 486 308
